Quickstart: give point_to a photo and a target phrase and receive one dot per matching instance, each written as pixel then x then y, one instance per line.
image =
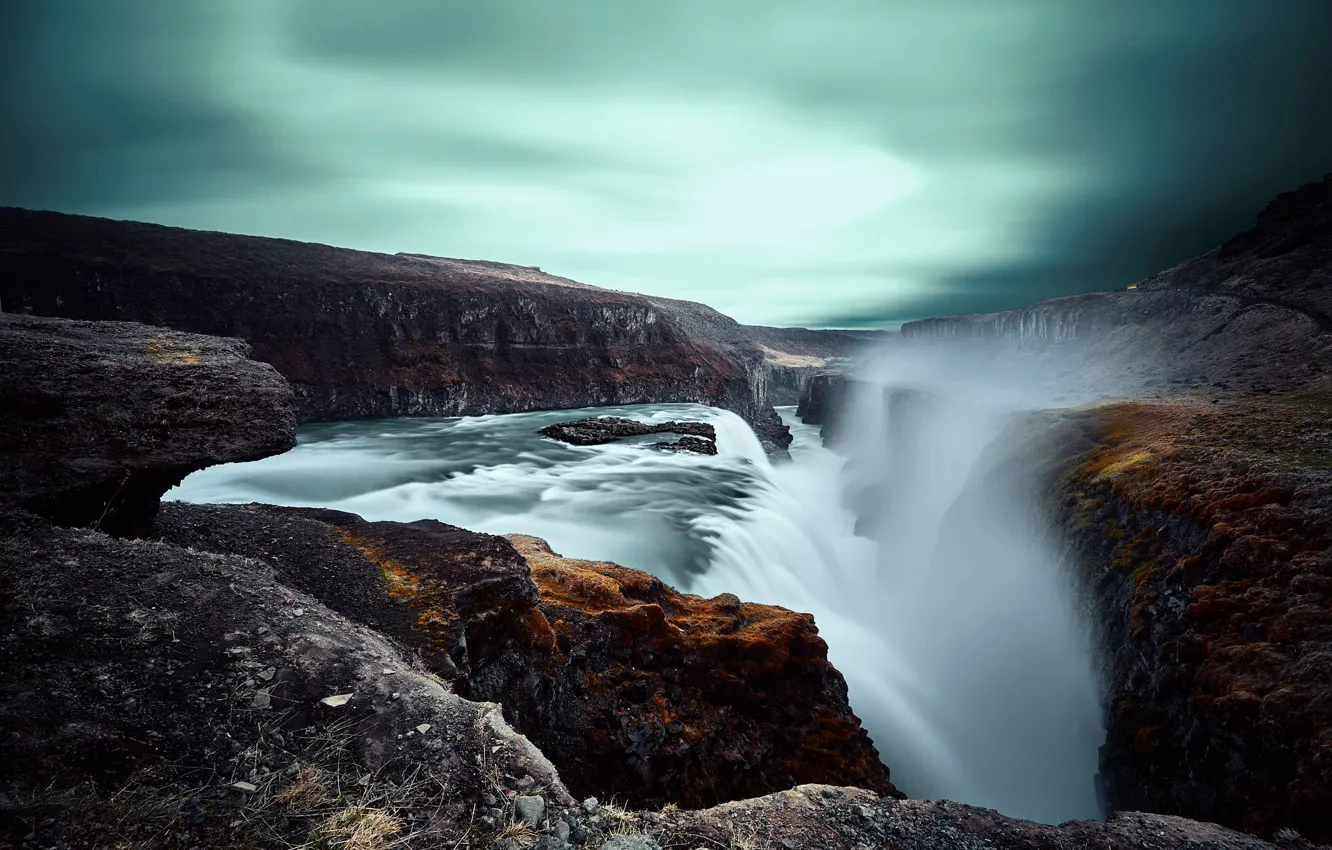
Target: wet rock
pixel 99 419
pixel 692 445
pixel 608 429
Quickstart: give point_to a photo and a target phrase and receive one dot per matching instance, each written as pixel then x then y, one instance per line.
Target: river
pixel 965 662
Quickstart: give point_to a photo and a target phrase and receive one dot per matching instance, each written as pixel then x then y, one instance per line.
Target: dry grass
pixel 357 827
pixel 307 793
pixel 328 803
pixel 517 831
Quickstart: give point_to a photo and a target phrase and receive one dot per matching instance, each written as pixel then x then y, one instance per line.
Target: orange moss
pixel 434 610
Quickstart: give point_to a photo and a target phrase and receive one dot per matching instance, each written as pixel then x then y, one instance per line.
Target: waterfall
pixel 940 604
pixel 943 606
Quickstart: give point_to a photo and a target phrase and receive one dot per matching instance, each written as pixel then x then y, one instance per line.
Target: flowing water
pixel 951 624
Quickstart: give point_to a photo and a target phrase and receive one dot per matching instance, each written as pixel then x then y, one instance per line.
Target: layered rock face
pixel 1204 538
pixel 360 334
pixel 98 420
pixel 1255 313
pixel 793 356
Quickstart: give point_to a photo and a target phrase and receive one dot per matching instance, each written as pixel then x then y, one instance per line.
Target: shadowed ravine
pixel 952 628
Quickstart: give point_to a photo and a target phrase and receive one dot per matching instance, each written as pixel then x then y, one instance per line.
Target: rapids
pixel 953 628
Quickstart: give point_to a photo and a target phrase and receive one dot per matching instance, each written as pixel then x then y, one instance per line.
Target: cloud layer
pixel 851 162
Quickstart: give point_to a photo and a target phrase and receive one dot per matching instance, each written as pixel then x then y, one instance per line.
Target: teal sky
pixel 840 162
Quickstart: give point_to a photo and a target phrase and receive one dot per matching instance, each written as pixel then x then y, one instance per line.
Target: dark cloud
pixel 854 162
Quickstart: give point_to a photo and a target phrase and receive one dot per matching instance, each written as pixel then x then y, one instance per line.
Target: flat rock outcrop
pixel 99 419
pixel 697 437
pixel 359 334
pixel 829 818
pixel 165 695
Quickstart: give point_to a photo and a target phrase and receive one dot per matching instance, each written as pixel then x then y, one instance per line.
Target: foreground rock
pixel 98 420
pixel 849 818
pixel 705 700
pixel 360 334
pixel 169 696
pixel 696 437
pixel 634 690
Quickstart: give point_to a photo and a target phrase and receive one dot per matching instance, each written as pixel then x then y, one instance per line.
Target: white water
pixel 961 651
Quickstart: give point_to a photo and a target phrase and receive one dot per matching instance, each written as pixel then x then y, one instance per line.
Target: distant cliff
pixel 1255 312
pixel 360 334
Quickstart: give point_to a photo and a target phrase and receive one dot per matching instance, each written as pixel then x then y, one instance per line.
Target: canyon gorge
pixel 1069 564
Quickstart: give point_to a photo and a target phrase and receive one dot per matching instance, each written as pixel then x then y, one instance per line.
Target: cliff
pixel 360 334
pixel 1203 539
pixel 1253 314
pixel 1193 512
pixel 266 677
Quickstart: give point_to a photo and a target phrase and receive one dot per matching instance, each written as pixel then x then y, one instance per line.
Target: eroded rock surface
pixel 99 419
pixel 703 700
pixel 161 693
pixel 1204 531
pixel 633 689
pixel 831 818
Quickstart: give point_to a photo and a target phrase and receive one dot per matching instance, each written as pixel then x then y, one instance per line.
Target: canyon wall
pixel 359 334
pixel 1193 512
pixel 1252 314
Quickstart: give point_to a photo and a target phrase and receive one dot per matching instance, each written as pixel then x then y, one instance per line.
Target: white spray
pixel 957 630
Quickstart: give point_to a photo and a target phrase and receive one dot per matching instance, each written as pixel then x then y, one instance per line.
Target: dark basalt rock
pixel 597 431
pixel 694 445
pixel 99 419
pixel 362 335
pixel 825 402
pixel 1203 535
pixel 718 700
pixel 146 683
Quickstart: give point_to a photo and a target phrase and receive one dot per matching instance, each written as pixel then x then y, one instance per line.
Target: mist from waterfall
pixel 940 601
